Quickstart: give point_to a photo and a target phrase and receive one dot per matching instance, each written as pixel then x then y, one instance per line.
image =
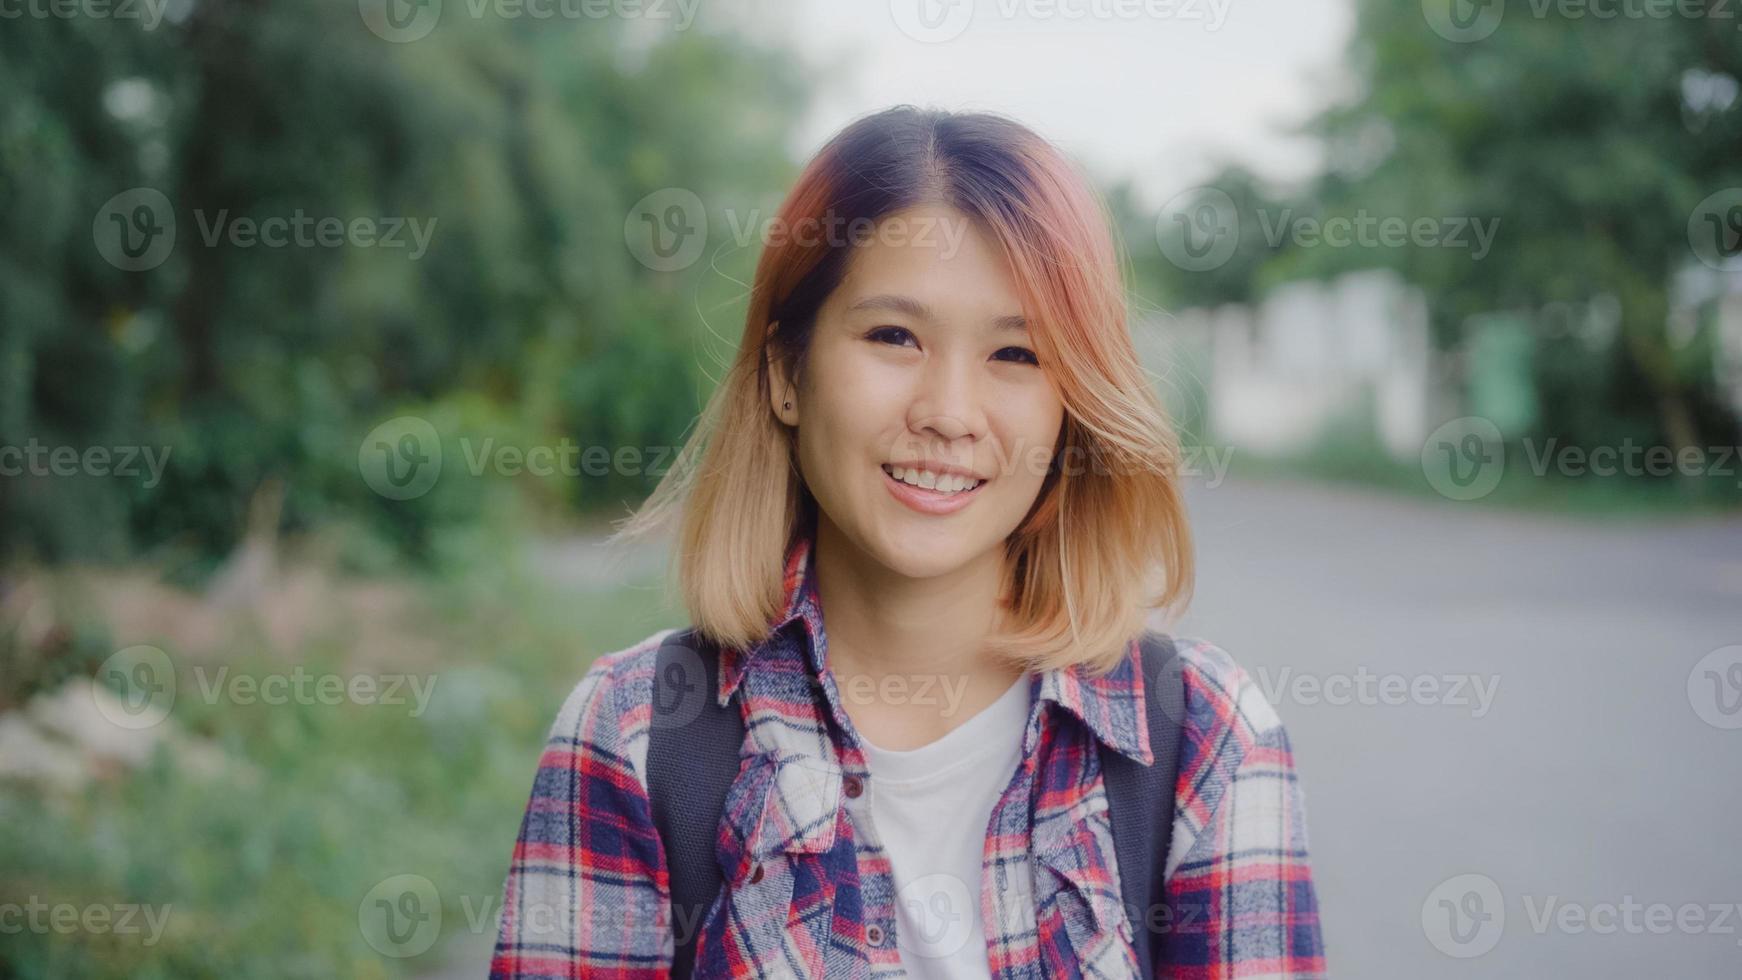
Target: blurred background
pixel 333 335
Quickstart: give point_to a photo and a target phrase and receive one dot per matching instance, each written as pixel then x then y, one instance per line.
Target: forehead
pixel 939 255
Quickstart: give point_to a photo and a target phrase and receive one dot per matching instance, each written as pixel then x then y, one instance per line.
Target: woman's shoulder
pixel 609 709
pixel 1223 695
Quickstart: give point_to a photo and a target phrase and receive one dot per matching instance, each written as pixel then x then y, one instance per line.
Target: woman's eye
pixel 896 335
pixel 1021 353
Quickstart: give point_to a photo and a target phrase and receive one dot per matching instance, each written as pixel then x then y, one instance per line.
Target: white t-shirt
pixel 930 807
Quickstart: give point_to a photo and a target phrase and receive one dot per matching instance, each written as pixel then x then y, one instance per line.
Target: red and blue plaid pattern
pixel 809 891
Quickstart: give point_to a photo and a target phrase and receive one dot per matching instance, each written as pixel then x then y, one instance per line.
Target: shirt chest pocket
pixel 778 852
pixel 1079 893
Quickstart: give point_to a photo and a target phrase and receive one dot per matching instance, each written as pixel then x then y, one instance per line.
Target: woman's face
pixel 920 365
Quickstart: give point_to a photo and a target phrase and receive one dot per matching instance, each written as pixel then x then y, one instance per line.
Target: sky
pixel 1160 91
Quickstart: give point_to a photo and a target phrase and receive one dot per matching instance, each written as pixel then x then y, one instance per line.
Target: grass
pixel 262 869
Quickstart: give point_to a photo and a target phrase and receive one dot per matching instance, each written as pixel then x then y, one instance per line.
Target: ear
pixel 782 391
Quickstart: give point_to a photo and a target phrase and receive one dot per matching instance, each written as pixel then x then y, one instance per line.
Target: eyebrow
pixel 920 311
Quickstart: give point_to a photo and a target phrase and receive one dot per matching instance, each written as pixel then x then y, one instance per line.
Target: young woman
pixel 937 440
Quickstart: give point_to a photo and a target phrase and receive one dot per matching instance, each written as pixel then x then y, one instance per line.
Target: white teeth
pixel 941 482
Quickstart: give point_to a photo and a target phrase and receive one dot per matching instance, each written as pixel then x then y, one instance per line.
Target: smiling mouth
pixel 932 501
pixel 943 484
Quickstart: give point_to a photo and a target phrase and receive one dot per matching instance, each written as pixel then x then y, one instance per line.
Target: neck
pixel 920 643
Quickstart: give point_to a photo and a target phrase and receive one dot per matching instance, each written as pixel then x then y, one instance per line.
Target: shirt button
pixel 756 874
pixel 874 935
pixel 854 786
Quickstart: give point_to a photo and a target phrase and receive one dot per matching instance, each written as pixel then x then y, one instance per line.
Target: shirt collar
pixel 1110 705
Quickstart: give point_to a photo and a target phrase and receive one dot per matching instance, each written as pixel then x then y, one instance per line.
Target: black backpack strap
pixel 1140 798
pixel 692 760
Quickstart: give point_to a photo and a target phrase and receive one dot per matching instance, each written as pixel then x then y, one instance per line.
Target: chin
pixel 921 552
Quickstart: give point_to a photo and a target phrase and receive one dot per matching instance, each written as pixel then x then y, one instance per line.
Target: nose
pixel 948 401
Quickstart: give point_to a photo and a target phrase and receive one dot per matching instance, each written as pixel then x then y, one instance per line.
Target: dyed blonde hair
pixel 1106 540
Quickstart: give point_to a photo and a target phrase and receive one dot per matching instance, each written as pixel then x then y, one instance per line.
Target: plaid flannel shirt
pixel 808 888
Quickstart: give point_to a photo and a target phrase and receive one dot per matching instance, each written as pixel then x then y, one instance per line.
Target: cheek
pixel 1029 442
pixel 849 404
pixel 856 394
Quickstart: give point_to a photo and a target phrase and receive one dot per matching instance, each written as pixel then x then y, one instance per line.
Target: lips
pixel 930 502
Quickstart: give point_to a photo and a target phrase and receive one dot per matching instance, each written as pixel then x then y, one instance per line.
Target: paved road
pixel 1590 781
